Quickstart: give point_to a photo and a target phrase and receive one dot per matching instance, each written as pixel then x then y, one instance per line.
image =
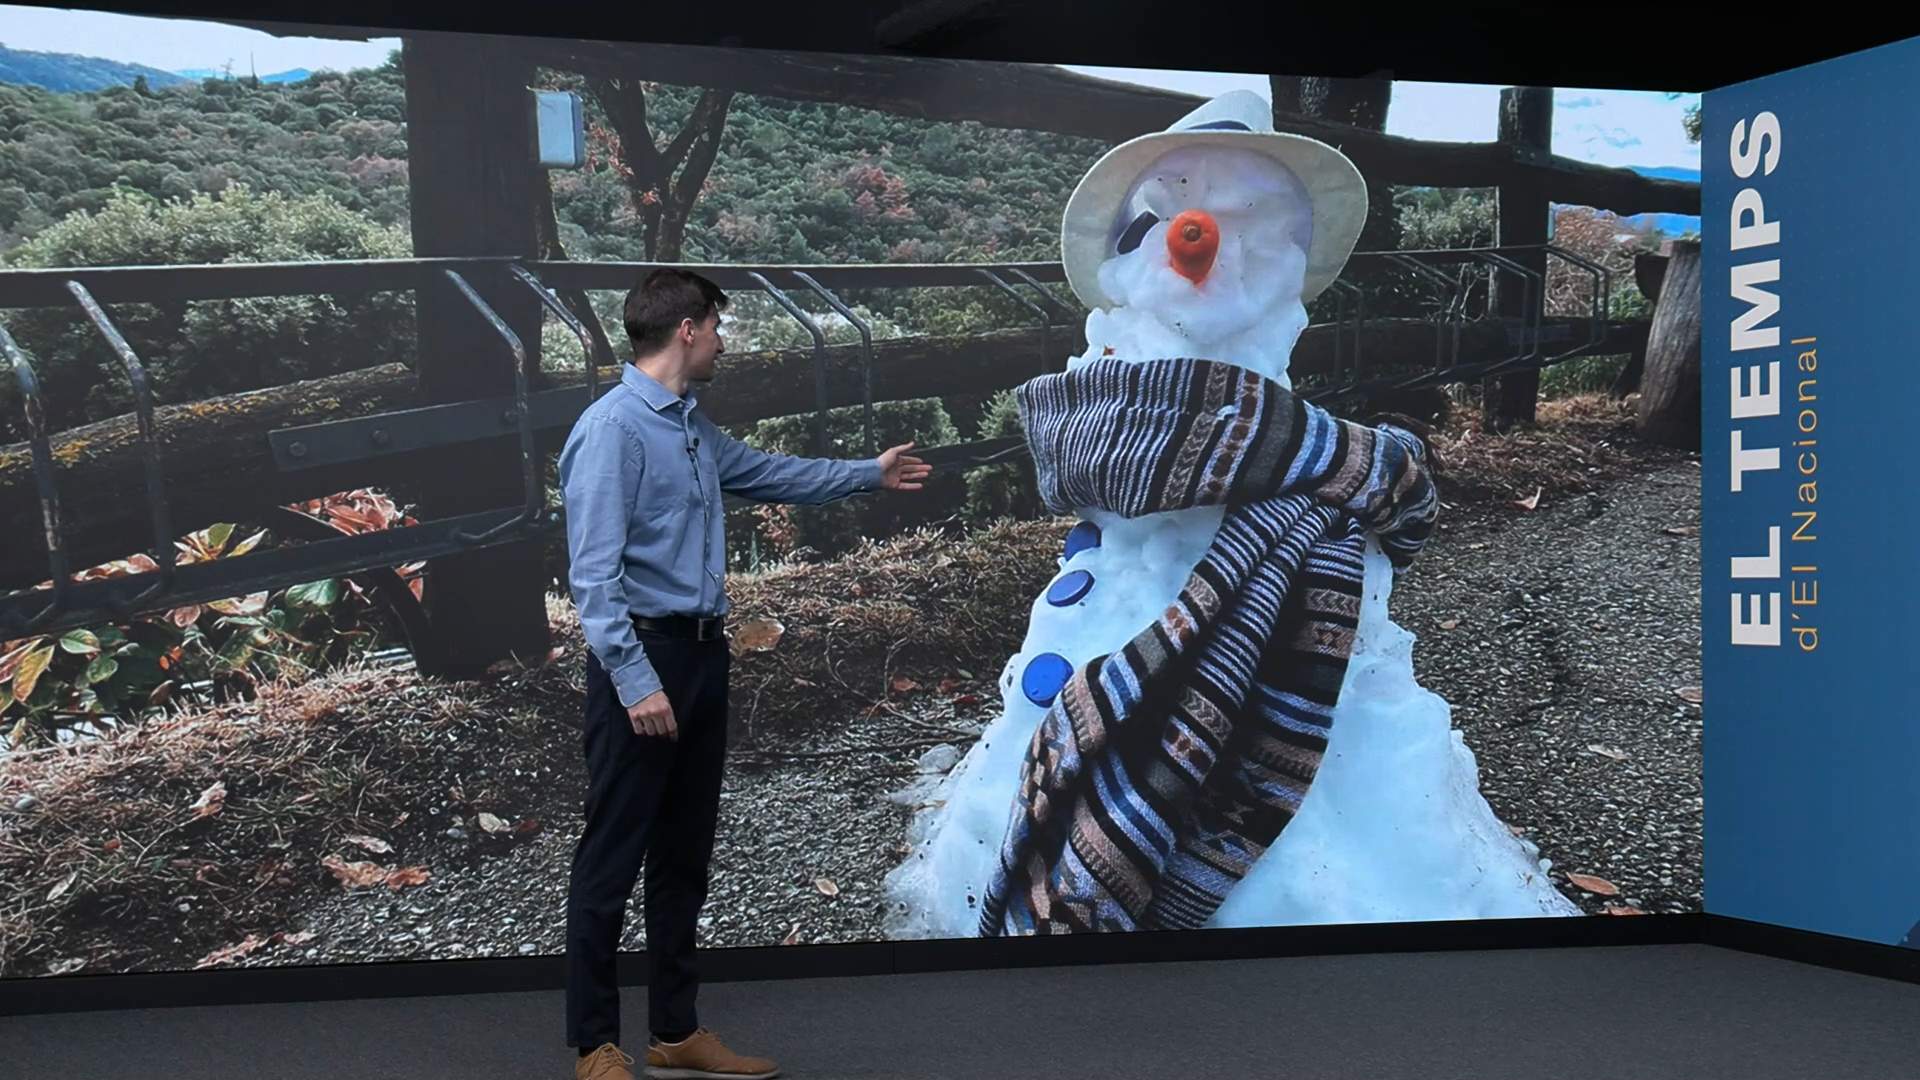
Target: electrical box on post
pixel 560 130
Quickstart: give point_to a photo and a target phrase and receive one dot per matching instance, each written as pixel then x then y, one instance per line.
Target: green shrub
pixel 786 532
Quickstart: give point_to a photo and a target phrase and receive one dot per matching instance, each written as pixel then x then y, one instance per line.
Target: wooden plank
pixel 471 173
pixel 1526 122
pixel 219 466
pixel 1040 97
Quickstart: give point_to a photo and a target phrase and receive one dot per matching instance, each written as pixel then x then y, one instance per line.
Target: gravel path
pixel 1560 635
pixel 806 835
pixel 1568 641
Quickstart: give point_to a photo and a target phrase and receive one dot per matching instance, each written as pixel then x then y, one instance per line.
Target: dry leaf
pixel 967 699
pixel 758 635
pixel 1622 909
pixel 1607 751
pixel 948 686
pixel 65 967
pixel 798 681
pixel 412 875
pixel 527 827
pixel 402 819
pixel 211 801
pixel 1681 530
pixel 27 671
pixel 10 661
pixel 373 844
pixel 1532 502
pixel 1596 885
pixel 964 673
pixel 60 890
pixel 300 938
pixel 1449 624
pixel 248 605
pixel 355 875
pixel 903 685
pixel 492 824
pixel 1690 694
pixel 554 654
pixel 1517 830
pixel 793 936
pixel 231 952
pixel 826 886
pixel 111 845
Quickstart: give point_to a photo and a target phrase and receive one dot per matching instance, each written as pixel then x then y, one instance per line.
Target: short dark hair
pixel 656 306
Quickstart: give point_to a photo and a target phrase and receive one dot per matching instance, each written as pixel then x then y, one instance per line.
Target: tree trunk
pixel 551 250
pixel 1649 270
pixel 1670 388
pixel 1526 123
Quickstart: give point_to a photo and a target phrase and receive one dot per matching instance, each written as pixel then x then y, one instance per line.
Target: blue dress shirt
pixel 642 475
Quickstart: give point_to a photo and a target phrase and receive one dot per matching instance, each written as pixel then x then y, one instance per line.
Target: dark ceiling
pixel 1663 47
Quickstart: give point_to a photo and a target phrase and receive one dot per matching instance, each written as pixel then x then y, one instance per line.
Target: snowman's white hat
pixel 1239 119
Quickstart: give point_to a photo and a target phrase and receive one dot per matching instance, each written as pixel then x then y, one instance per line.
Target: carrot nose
pixel 1192 242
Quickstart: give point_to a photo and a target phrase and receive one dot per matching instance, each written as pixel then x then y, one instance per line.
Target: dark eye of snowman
pixel 1136 232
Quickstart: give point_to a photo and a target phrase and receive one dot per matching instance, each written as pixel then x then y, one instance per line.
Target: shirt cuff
pixel 868 475
pixel 636 682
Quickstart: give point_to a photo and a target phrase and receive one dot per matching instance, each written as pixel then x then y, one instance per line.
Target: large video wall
pixel 1429 650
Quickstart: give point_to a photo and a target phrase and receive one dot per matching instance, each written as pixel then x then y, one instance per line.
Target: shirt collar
pixel 650 390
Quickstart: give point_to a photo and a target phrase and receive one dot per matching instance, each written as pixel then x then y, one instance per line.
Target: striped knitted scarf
pixel 1162 771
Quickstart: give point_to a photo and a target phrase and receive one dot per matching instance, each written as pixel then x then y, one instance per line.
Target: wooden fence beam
pixel 1037 97
pixel 219 466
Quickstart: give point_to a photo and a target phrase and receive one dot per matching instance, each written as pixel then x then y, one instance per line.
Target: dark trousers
pixel 650 801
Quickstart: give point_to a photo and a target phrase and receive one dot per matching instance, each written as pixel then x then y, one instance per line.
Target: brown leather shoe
pixel 704 1057
pixel 605 1063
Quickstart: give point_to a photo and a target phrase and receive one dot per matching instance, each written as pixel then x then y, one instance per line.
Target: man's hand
pixel 653 716
pixel 902 472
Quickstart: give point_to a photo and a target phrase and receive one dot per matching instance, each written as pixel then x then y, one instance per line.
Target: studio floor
pixel 1685 1011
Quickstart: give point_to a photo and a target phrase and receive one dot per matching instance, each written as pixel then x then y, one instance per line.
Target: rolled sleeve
pixel 779 478
pixel 600 470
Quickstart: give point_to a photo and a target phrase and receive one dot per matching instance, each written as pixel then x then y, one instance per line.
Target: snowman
pixel 1207 240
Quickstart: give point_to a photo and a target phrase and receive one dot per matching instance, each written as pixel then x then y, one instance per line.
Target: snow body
pixel 1394 827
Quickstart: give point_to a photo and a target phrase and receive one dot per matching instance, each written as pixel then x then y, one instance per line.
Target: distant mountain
pixel 1668 172
pixel 66 73
pixel 1670 224
pixel 293 76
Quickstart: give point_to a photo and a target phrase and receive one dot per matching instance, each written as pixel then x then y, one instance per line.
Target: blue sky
pixel 1608 127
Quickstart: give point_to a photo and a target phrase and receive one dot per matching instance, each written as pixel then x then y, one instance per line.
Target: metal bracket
pixel 866 345
pixel 553 304
pixel 1046 317
pixel 1602 296
pixel 523 414
pixel 819 357
pixel 164 554
pixel 43 478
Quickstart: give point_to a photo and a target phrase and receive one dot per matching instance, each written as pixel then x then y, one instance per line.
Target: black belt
pixel 699 628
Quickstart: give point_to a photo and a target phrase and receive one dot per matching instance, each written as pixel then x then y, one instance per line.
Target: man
pixel 643 472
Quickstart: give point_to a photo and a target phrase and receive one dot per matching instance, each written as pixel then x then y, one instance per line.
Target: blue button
pixel 1069 588
pixel 1083 536
pixel 1044 677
